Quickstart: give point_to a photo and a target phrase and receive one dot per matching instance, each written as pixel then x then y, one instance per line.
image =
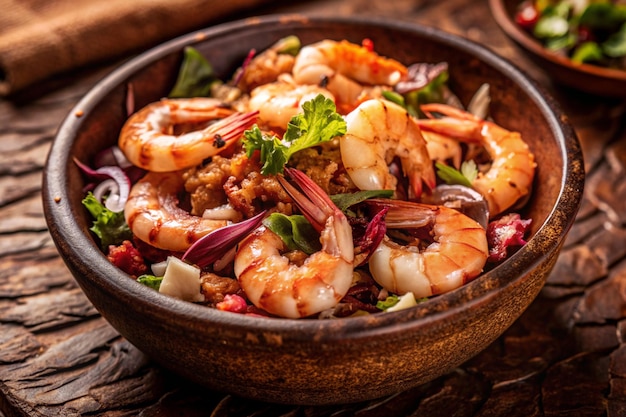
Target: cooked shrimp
pixel 512 170
pixel 377 131
pixel 442 148
pixel 279 101
pixel 153 214
pixel 457 254
pixel 344 69
pixel 148 139
pixel 272 283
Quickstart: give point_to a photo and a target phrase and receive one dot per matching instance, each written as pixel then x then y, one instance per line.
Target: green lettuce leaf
pixel 195 77
pixel 345 201
pixel 150 281
pixel 295 231
pixel 109 226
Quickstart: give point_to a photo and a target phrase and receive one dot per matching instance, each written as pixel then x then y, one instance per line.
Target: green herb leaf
pixel 469 170
pixel 319 122
pixel 345 201
pixel 388 302
pixel 465 176
pixel 194 77
pixel 109 226
pixel 295 231
pixel 274 153
pixel 615 45
pixel 150 281
pixel 288 45
pixel 587 52
pixel 603 16
pixel 394 97
pixel 433 92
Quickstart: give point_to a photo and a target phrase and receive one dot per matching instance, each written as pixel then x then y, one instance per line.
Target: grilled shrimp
pixel 153 214
pixel 457 254
pixel 279 101
pixel 512 168
pixel 344 69
pixel 377 131
pixel 272 283
pixel 148 139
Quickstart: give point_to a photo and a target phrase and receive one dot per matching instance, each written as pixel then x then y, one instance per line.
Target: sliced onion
pixel 212 247
pixel 117 196
pixel 467 200
pixel 479 104
pixel 109 192
pixel 245 64
pixel 112 156
pixel 158 268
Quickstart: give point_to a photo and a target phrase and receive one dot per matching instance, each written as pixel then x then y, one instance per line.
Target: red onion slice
pixel 117 197
pixel 212 247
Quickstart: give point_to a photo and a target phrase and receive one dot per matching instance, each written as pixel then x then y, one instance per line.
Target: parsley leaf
pixel 319 122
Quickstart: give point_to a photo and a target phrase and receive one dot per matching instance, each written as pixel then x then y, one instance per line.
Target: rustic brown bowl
pixel 315 361
pixel 588 78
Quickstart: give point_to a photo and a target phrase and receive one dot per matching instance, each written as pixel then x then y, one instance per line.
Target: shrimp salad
pixel 319 181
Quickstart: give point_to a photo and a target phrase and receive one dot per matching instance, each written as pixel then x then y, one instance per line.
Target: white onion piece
pixel 479 104
pixel 117 195
pixel 108 191
pixel 120 158
pixel 158 268
pixel 223 212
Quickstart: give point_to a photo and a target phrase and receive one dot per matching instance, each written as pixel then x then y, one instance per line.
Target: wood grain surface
pixel 566 356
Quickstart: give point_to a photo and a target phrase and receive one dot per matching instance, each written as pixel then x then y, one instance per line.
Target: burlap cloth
pixel 41 38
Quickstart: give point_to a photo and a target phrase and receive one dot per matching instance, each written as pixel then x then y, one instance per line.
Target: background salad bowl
pixel 593 79
pixel 317 361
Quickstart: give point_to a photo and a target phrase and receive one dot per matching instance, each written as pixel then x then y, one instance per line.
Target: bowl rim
pixel 509 27
pixel 58 210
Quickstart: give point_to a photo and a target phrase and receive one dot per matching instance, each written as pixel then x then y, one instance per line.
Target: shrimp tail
pixel 322 213
pixel 446 110
pixel 419 179
pixel 314 203
pixel 229 129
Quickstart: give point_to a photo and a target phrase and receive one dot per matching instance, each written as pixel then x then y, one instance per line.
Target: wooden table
pixel 566 356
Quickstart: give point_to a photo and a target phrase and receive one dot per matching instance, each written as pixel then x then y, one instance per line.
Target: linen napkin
pixel 41 38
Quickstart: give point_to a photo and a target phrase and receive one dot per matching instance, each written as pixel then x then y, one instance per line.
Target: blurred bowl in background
pixel 588 78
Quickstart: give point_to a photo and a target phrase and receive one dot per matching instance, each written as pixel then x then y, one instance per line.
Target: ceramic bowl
pixel 317 361
pixel 588 78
